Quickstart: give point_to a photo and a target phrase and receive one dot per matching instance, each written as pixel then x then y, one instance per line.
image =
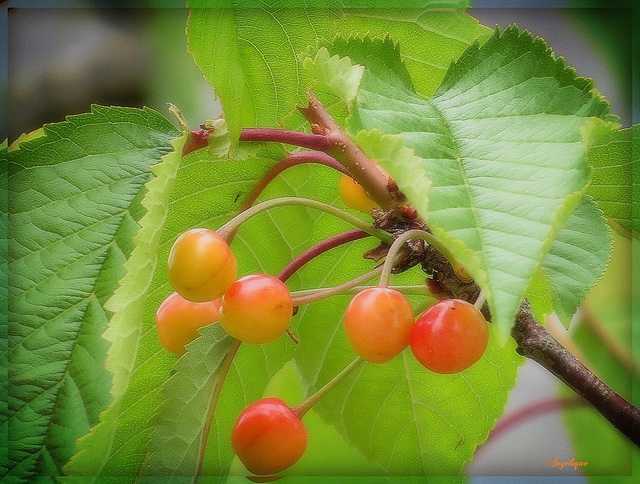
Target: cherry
pixel 268 436
pixel 354 196
pixel 256 309
pixel 378 322
pixel 178 321
pixel 450 336
pixel 201 265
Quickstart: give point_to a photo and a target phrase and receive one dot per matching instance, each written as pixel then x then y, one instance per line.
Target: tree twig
pixel 536 343
pixel 341 147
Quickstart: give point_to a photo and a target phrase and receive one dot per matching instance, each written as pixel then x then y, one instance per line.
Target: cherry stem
pixel 320 248
pixel 232 225
pixel 400 241
pixel 294 159
pixel 480 300
pixel 332 291
pixel 408 290
pixel 532 410
pixel 305 140
pixel 292 336
pixel 305 406
pixel 215 396
pixel 314 252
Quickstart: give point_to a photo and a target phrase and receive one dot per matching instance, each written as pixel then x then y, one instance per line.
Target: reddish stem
pixel 532 410
pixel 297 158
pixel 320 248
pixel 305 140
pixel 314 252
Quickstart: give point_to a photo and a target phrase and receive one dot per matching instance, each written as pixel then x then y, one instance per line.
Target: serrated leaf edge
pixel 127 305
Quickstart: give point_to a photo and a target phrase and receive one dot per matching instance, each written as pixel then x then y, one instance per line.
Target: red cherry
pixel 378 323
pixel 178 321
pixel 268 436
pixel 450 336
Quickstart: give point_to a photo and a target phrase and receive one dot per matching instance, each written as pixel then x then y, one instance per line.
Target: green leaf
pixel 635 192
pixel 403 417
pixel 4 326
pixel 610 159
pixel 539 295
pixel 337 73
pixel 508 118
pixel 177 436
pixel 328 4
pixel 250 56
pixel 124 330
pixel 73 207
pixel 577 258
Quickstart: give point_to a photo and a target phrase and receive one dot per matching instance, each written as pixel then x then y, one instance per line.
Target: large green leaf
pixel 577 258
pixel 508 118
pixel 610 158
pixel 4 363
pixel 250 56
pixel 635 192
pixel 127 304
pixel 252 4
pixel 73 208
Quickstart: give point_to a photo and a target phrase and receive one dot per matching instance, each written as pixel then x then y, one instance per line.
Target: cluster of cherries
pixel 269 436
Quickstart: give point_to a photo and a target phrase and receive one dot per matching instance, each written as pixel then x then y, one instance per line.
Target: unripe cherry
pixel 450 336
pixel 354 196
pixel 201 265
pixel 256 309
pixel 378 323
pixel 178 321
pixel 268 436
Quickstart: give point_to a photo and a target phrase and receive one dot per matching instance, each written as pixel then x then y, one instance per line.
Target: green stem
pixel 480 301
pixel 316 295
pixel 305 406
pixel 232 225
pixel 215 396
pixel 407 290
pixel 400 241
